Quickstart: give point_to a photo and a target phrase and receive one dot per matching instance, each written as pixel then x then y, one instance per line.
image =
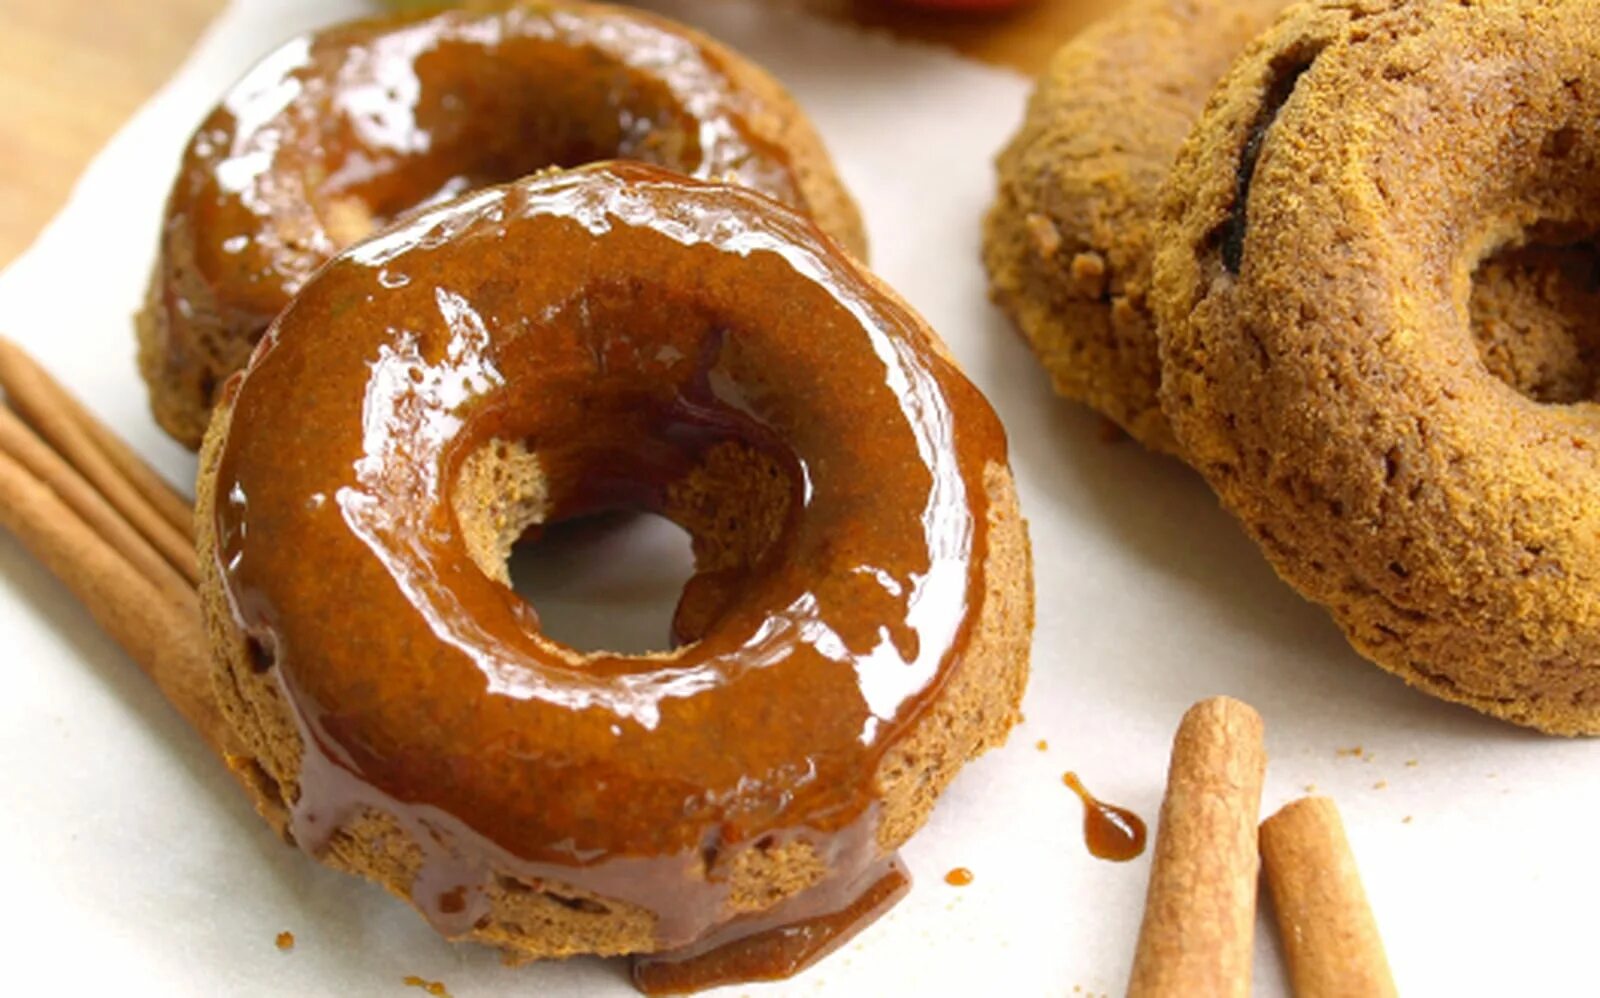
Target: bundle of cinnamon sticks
pixel 111 529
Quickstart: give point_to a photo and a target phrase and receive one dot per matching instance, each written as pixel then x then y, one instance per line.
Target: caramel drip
pixel 780 943
pixel 1111 832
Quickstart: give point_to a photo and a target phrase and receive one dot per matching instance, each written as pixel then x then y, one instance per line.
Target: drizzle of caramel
pixel 774 945
pixel 622 323
pixel 958 877
pixel 1111 832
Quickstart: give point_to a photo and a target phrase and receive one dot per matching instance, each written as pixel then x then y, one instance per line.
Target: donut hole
pixel 645 574
pixel 605 582
pixel 1536 318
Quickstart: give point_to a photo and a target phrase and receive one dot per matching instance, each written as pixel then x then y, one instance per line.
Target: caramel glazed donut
pixel 612 336
pixel 1071 238
pixel 339 132
pixel 1323 226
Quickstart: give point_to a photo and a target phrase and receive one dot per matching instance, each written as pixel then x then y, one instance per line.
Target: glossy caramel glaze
pixel 1110 832
pixel 625 326
pixel 336 133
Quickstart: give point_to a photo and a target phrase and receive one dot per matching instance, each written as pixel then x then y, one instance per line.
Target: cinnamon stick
pixel 21 444
pixel 1329 935
pixel 1199 919
pixel 174 506
pixel 159 632
pixel 39 400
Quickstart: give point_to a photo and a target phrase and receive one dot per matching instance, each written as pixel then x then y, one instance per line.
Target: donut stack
pixel 1355 284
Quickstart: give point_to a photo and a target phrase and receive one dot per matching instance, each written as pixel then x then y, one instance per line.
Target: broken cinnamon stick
pixel 1329 936
pixel 1199 918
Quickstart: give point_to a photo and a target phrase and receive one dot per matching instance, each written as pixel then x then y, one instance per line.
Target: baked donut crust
pixel 1070 240
pixel 683 859
pixel 1320 235
pixel 340 131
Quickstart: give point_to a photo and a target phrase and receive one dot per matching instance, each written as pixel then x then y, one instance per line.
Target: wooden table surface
pixel 71 71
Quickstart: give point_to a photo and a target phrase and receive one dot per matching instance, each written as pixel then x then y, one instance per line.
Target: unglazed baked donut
pixel 1324 224
pixel 612 336
pixel 340 131
pixel 1070 240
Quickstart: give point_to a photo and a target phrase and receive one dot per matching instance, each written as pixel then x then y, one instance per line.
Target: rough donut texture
pixel 230 257
pixel 1320 236
pixel 733 507
pixel 1070 240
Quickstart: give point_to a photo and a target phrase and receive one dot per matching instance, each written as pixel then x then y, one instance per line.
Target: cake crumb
pixel 1411 764
pixel 285 941
pixel 958 877
pixel 1346 753
pixel 1042 745
pixel 435 988
pixel 1406 820
pixel 1311 788
pixel 1381 785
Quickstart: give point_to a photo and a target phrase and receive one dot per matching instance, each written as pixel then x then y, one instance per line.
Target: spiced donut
pixel 1321 234
pixel 1070 236
pixel 340 131
pixel 1070 239
pixel 612 336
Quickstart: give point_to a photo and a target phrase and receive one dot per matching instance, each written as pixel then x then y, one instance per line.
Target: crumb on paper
pixel 1346 753
pixel 435 988
pixel 1381 785
pixel 1412 764
pixel 1311 788
pixel 285 941
pixel 1042 745
pixel 1406 820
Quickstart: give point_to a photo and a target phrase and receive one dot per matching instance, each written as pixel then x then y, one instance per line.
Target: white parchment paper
pixel 132 865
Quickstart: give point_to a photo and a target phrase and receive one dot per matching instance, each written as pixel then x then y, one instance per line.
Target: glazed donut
pixel 341 131
pixel 611 336
pixel 1323 226
pixel 1070 239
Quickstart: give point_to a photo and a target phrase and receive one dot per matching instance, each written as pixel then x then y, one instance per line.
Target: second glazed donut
pixel 340 131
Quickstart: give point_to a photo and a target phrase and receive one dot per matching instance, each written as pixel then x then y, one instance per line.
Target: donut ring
pixel 613 335
pixel 1323 227
pixel 1070 240
pixel 342 130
